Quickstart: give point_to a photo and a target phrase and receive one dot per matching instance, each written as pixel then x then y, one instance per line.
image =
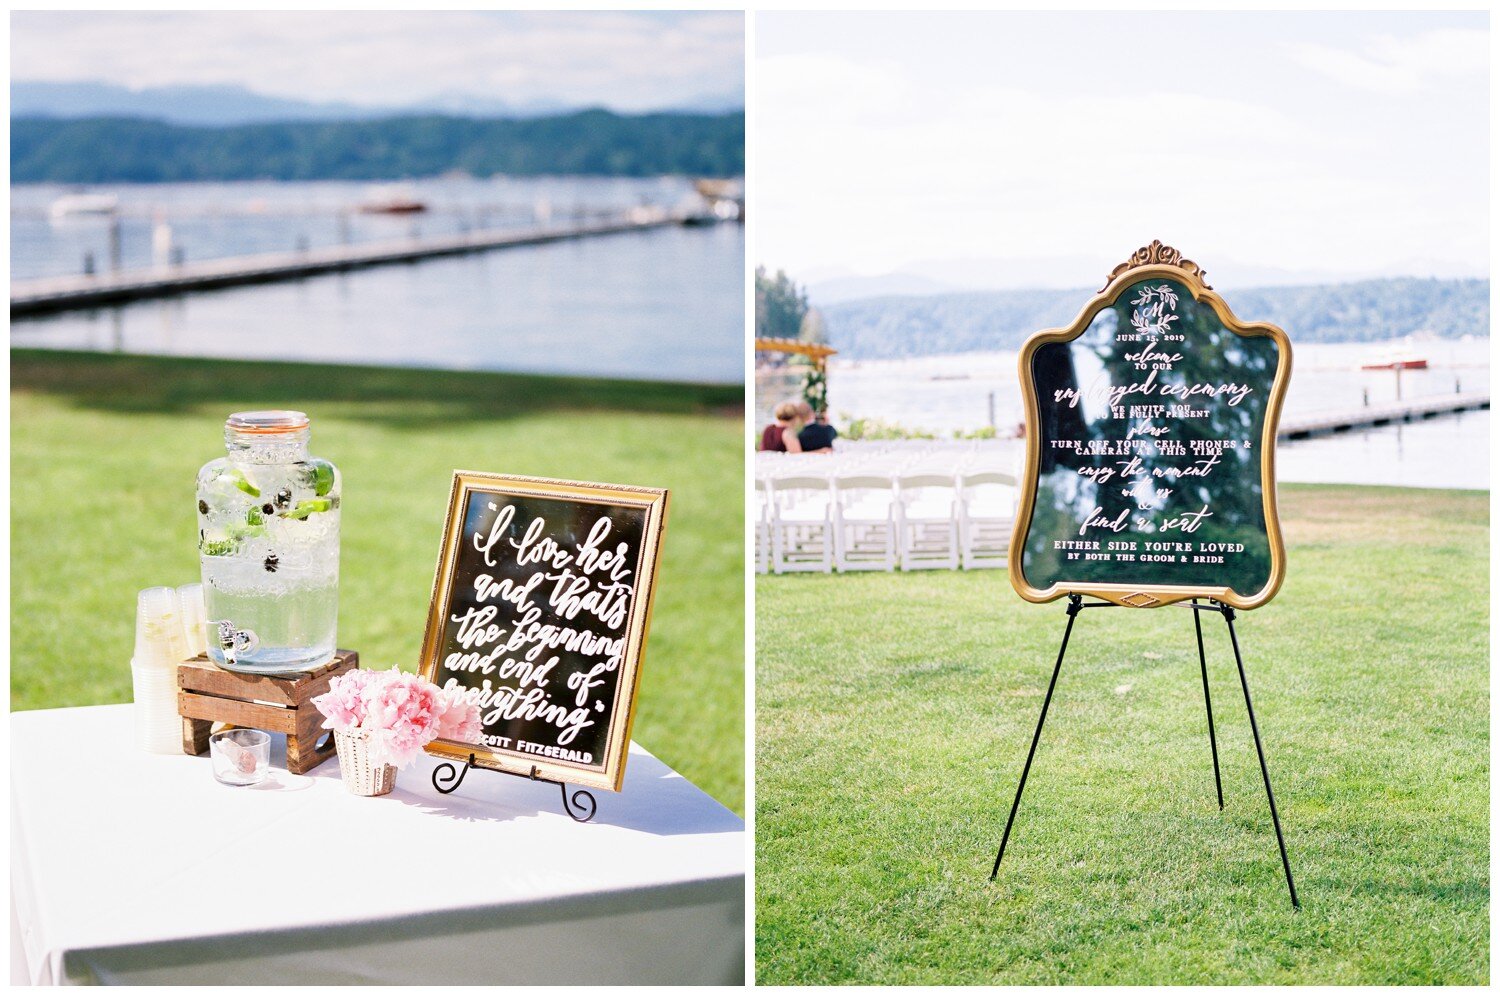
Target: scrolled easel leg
pixel 580 806
pixel 583 799
pixel 447 774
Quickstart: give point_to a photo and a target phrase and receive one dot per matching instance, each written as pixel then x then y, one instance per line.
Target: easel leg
pixel 1260 752
pixel 1213 741
pixel 1075 605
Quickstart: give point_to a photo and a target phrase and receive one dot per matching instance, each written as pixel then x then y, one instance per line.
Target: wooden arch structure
pixel 819 354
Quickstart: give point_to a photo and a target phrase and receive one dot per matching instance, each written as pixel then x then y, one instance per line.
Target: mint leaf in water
pixel 217 547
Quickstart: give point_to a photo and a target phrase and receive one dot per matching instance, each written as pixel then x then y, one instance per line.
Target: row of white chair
pixel 879 522
pixel 886 458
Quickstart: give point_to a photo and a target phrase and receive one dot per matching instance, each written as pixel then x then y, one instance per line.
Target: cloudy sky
pixel 628 61
pixel 1025 149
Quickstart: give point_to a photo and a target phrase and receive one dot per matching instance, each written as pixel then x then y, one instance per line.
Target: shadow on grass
pixel 397 397
pixel 1472 892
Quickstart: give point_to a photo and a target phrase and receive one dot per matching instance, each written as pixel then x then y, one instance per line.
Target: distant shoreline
pixel 938 358
pixel 1357 311
pixel 579 143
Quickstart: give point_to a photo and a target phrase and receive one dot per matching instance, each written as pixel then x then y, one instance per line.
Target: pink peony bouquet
pixel 401 712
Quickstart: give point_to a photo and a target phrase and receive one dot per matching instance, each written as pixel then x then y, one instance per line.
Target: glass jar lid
pixel 267 423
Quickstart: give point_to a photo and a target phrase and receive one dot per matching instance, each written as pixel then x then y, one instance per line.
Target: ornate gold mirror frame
pixel 1155 260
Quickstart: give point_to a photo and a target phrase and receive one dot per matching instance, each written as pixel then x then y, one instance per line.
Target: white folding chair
pixel 762 526
pixel 802 533
pixel 864 523
pixel 986 516
pixel 928 522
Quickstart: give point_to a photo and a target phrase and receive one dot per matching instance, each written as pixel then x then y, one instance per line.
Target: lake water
pixel 947 393
pixel 665 304
pixel 211 220
pixel 1451 451
pixel 944 393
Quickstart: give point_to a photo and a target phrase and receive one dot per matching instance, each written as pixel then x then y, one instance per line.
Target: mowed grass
pixel 104 450
pixel 894 712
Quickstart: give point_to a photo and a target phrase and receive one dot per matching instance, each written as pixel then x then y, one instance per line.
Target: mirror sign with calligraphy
pixel 539 612
pixel 1151 438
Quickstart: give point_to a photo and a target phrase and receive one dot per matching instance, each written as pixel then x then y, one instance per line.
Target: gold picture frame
pixel 609 773
pixel 1155 260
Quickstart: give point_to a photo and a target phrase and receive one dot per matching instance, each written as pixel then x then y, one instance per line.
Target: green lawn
pixel 104 450
pixel 894 713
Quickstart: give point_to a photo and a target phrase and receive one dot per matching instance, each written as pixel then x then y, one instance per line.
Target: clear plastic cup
pixel 159 638
pixel 240 757
pixel 158 727
pixel 192 614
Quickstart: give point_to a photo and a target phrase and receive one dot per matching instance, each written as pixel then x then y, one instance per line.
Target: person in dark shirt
pixel 817 436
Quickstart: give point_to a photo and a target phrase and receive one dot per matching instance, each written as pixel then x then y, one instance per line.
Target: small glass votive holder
pixel 240 757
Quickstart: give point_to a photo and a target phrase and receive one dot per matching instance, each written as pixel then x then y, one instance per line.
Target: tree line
pixel 586 143
pixel 1359 311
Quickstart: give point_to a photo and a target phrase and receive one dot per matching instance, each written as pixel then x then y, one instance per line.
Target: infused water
pixel 268 541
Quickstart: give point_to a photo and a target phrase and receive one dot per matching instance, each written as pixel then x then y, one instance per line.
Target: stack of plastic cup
pixel 190 605
pixel 160 645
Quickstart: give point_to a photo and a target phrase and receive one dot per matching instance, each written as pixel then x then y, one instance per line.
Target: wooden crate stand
pixel 208 694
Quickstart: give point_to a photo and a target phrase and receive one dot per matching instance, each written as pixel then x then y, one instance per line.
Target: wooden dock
pixel 1323 423
pixel 50 294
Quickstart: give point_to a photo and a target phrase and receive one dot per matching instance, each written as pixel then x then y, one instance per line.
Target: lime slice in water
pixel 322 477
pixel 309 506
pixel 242 482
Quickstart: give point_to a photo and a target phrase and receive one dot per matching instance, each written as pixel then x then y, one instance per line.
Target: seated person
pixel 781 436
pixel 817 435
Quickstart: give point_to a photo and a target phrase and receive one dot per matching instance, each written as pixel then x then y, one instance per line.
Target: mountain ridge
pixel 227 104
pixel 587 143
pixel 1374 310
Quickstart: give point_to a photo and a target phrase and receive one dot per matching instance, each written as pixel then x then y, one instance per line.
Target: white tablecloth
pixel 136 868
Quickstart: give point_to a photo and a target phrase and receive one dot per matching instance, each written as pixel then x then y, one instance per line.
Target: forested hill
pixel 1364 311
pixel 596 142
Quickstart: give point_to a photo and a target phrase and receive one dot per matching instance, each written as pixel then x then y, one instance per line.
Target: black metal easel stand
pixel 1076 604
pixel 447 775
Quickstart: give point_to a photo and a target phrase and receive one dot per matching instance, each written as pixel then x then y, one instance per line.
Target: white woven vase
pixel 360 776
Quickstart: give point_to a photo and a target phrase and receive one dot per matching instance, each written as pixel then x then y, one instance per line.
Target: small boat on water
pixel 392 200
pixel 725 200
pixel 720 190
pixel 1396 361
pixel 76 205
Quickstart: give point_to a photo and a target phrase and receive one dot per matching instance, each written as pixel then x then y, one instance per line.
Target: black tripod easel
pixel 1076 604
pixel 446 778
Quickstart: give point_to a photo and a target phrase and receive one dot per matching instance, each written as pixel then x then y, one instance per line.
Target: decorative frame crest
pixel 1158 253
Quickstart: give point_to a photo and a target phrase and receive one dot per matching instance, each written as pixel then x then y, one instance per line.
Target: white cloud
pixel 625 60
pixel 862 91
pixel 1392 64
pixel 893 171
pixel 868 163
